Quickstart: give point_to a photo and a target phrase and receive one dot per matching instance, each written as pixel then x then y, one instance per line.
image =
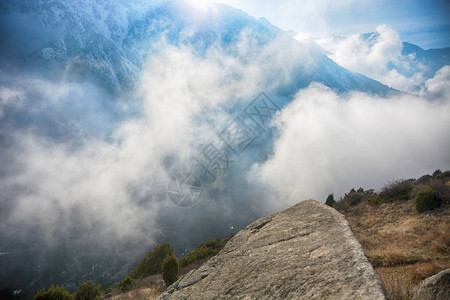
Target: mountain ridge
pixel 111 41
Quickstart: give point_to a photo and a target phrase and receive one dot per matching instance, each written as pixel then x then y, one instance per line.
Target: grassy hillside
pixel 403 245
pixel 147 279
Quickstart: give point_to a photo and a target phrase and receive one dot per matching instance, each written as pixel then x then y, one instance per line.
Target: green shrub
pixel 170 269
pixel 127 284
pixel 442 175
pixel 205 250
pixel 436 173
pixel 354 198
pixel 197 254
pixel 424 179
pixel 426 200
pixel 330 200
pixel 54 293
pixel 88 291
pixel 396 190
pixel 152 263
pixel 213 244
pixel 375 200
pixel 441 188
pixel 108 290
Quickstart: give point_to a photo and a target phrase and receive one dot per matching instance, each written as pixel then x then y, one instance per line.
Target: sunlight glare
pixel 200 8
pixel 203 4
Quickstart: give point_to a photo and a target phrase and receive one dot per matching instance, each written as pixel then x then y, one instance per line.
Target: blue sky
pixel 422 22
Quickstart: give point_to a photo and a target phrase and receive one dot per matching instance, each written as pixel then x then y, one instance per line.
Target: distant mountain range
pixel 431 60
pixel 427 62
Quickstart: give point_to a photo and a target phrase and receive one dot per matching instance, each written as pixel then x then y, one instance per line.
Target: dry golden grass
pixel 397 282
pixel 146 288
pixel 138 294
pixel 404 246
pixel 401 280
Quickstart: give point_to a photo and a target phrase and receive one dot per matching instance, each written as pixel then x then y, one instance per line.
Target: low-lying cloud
pixel 438 87
pixel 378 57
pixel 76 159
pixel 330 143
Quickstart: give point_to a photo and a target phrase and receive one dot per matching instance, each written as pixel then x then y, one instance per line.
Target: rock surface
pixel 305 252
pixel 436 287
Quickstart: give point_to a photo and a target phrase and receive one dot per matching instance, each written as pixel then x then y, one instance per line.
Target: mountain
pixel 431 60
pixel 414 60
pixel 109 41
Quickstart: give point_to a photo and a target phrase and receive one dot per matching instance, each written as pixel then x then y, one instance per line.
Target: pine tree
pixel 170 269
pixel 330 200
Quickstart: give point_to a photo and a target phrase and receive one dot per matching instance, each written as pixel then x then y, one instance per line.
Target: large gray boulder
pixel 305 252
pixel 436 287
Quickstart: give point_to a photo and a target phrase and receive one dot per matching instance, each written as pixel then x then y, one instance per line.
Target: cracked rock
pixel 305 252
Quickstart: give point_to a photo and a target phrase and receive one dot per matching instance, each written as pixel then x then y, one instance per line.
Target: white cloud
pixel 330 143
pixel 375 57
pixel 9 98
pixel 438 87
pixel 180 95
